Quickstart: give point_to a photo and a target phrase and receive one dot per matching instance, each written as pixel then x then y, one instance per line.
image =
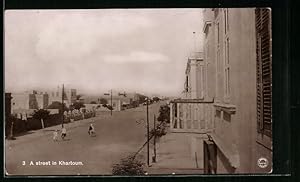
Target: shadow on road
pixel 24 133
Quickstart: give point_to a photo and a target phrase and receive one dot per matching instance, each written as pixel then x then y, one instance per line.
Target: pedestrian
pixel 55 134
pixel 63 133
pixel 91 130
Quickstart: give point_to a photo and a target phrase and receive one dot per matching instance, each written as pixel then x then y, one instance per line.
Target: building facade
pixel 69 96
pixel 28 100
pixel 194 82
pixel 233 108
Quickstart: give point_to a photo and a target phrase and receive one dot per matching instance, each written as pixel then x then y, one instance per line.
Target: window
pixel 218 49
pixel 263 71
pixel 227 69
pixel 226 24
pixel 218 33
pixel 187 84
pixel 202 82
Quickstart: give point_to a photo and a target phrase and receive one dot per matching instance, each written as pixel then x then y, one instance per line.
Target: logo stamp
pixel 262 162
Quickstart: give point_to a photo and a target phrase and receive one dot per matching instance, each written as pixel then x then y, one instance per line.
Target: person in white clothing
pixel 55 134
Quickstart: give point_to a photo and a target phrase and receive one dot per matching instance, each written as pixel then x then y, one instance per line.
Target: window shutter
pixel 264 71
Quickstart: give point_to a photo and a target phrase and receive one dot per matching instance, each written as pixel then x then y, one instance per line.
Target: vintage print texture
pixel 138 91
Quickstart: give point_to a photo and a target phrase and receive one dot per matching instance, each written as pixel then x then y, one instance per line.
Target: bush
pixel 53 119
pixel 128 166
pixel 19 126
pixel 164 114
pixel 58 105
pixel 88 115
pixel 159 131
pixel 103 101
pixel 76 117
pixel 8 122
pixel 34 124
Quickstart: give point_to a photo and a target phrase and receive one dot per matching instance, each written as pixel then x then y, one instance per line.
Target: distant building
pixel 29 100
pixel 194 82
pixel 69 96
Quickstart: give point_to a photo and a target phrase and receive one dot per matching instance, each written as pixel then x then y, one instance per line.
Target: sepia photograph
pixel 138 92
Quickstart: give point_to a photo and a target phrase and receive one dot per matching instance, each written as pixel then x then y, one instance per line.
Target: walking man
pixel 91 130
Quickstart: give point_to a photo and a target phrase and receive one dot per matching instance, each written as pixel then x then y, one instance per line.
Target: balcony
pixel 196 55
pixel 191 115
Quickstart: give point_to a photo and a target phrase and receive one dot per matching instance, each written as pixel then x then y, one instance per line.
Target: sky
pixel 93 51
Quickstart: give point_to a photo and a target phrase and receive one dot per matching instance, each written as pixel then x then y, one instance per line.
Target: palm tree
pixel 41 114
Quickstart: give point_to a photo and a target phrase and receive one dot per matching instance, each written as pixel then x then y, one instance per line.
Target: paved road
pixel 117 136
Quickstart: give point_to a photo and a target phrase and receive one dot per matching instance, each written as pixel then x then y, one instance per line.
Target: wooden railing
pixel 191 115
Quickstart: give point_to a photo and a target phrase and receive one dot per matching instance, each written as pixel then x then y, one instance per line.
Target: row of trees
pixel 61 108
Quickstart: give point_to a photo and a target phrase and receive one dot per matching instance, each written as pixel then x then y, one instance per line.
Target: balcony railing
pixel 191 115
pixel 196 55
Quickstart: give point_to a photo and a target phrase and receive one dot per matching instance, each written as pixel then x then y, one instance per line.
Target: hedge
pixel 35 124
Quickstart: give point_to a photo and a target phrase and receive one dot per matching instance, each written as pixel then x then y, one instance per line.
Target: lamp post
pixel 154 142
pixel 110 100
pixel 148 160
pixel 62 103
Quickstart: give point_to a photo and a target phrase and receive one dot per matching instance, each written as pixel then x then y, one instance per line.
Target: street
pixel 80 154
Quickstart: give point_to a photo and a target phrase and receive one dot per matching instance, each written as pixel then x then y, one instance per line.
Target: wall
pixel 20 101
pixel 234 150
pixel 45 100
pixel 56 96
pixel 209 55
pixel 40 101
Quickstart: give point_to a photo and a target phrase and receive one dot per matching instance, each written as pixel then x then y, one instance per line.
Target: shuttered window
pixel 264 70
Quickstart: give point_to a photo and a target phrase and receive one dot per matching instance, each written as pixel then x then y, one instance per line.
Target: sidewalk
pixel 179 153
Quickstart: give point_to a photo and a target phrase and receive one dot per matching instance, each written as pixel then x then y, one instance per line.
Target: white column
pixel 184 115
pixel 178 116
pixel 193 79
pixel 171 115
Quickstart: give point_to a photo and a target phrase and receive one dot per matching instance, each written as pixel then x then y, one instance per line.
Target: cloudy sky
pixel 141 50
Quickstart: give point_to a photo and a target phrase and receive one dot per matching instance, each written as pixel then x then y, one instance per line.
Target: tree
pixel 108 106
pixel 128 166
pixel 159 131
pixel 141 98
pixel 103 101
pixel 9 126
pixel 41 114
pixel 164 114
pixel 57 105
pixel 93 102
pixel 78 96
pixel 156 99
pixel 78 105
